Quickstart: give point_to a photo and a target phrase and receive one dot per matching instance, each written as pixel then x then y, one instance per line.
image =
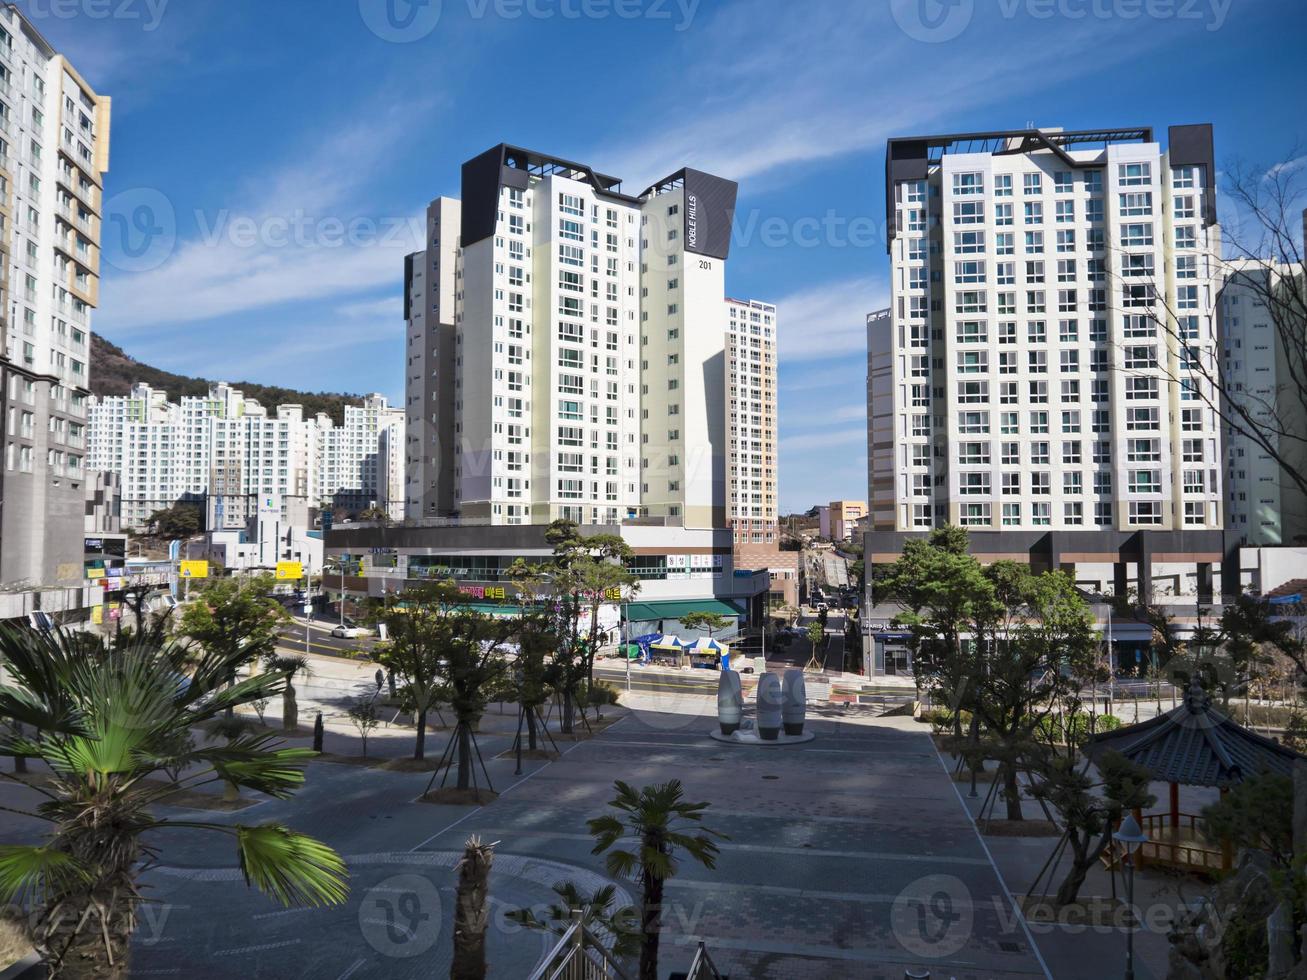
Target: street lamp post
pixel 1132 836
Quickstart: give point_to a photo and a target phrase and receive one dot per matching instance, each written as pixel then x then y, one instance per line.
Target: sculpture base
pixel 749 736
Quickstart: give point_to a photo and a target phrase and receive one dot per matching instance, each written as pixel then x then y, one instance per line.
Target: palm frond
pixel 292 868
pixel 277 773
pixel 27 708
pixel 26 870
pixel 20 746
pixel 621 864
pixel 257 688
pixel 607 830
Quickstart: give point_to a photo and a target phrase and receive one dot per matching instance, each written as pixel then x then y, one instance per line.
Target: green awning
pixel 494 608
pixel 649 612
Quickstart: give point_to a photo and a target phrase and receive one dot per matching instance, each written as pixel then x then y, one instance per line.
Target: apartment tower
pixel 751 390
pixel 1052 293
pixel 566 352
pixel 54 151
pixel 1265 506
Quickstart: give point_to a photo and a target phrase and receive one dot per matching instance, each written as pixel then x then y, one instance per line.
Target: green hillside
pixel 113 372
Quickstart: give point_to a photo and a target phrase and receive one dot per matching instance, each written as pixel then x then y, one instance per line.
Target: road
pixel 799 652
pixel 320 641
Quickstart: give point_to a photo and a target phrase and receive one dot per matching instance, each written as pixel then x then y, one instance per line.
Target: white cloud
pixel 391 309
pixel 849 435
pixel 807 82
pixel 304 234
pixel 829 320
pixel 297 359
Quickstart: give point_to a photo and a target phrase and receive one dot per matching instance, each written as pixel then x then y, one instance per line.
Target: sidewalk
pixel 1076 948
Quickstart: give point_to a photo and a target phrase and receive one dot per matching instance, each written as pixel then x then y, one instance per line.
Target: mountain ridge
pixel 114 371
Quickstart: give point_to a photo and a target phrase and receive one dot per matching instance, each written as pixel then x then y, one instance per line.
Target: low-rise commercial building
pixel 680 570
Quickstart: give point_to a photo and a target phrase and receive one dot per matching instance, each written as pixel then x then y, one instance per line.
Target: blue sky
pixel 284 150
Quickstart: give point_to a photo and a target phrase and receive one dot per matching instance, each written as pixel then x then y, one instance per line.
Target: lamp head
pixel 1130 833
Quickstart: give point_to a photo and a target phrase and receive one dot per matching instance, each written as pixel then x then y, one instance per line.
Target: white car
pixel 351 632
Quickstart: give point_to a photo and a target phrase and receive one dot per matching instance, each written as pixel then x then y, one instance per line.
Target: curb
pixel 28 968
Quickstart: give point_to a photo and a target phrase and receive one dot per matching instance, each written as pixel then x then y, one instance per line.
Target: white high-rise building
pixel 261 463
pixel 1032 387
pixel 751 392
pixel 1265 506
pixel 161 450
pixel 355 458
pixel 54 151
pixel 566 347
pixel 229 452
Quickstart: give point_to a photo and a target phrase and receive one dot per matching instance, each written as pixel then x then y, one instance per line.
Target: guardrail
pixel 702 966
pixel 579 955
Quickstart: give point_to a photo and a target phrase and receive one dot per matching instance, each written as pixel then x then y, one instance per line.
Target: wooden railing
pixel 1176 845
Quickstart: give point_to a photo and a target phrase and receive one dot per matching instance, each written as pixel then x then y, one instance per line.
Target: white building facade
pixel 566 348
pixel 752 391
pixel 1034 385
pixel 1265 506
pixel 229 453
pixel 54 151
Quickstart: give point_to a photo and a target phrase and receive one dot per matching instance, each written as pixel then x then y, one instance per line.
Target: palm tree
pixel 660 821
pixel 598 916
pixel 470 914
pixel 288 665
pixel 113 723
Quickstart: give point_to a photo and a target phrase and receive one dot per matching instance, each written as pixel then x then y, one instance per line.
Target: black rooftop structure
pixel 708 215
pixel 513 166
pixel 1196 745
pixel 913 157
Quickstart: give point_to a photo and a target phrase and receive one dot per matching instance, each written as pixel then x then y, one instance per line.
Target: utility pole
pixel 308 606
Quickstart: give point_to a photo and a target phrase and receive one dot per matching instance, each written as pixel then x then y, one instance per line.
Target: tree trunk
pixel 1012 791
pixel 470 915
pixel 650 926
pixel 231 682
pixel 566 726
pixel 420 747
pixel 78 944
pixel 1081 861
pixel 20 761
pixel 464 754
pixel 290 710
pixel 531 726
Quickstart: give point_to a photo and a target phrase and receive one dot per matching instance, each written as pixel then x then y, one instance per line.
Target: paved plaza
pixel 850 856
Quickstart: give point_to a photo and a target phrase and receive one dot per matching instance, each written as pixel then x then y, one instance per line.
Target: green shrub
pixel 941 720
pixel 1074 729
pixel 600 695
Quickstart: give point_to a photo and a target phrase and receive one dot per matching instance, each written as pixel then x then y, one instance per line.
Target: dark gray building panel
pixel 709 213
pixel 481 177
pixel 1194 146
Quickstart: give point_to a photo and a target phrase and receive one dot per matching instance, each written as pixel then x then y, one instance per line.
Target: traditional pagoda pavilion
pixel 1192 745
